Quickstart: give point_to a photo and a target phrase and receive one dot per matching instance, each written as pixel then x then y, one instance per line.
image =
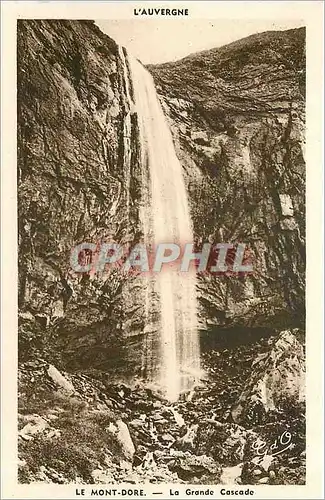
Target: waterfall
pixel 166 219
pixel 126 132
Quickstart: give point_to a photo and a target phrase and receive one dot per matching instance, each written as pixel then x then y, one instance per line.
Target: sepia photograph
pixel 133 373
pixel 161 253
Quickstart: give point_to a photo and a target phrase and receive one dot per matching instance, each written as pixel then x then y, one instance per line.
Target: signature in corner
pixel 281 444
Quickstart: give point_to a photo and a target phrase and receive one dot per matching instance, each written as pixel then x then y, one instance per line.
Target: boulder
pixel 121 432
pixel 277 381
pixel 224 442
pixel 61 381
pixel 189 467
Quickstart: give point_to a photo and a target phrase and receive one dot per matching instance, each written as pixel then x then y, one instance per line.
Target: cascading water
pixel 166 219
pixel 126 132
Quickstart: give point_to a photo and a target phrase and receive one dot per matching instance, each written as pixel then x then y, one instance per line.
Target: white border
pixel 312 13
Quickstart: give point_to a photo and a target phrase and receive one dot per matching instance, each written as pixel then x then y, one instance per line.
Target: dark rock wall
pixel 77 161
pixel 237 114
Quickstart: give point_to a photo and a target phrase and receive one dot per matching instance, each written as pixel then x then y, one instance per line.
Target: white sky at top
pixel 155 40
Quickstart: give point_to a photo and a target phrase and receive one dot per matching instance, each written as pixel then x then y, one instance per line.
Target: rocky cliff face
pixel 237 116
pixel 237 113
pixel 78 170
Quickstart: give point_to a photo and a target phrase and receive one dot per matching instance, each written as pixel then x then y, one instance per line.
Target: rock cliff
pixel 77 172
pixel 237 118
pixel 237 113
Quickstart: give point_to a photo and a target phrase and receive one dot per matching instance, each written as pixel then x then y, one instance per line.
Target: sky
pixel 162 40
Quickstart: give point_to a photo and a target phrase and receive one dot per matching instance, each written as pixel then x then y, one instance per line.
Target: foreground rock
pixel 277 382
pixel 106 433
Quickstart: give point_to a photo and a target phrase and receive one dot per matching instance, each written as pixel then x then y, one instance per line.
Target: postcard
pixel 162 235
